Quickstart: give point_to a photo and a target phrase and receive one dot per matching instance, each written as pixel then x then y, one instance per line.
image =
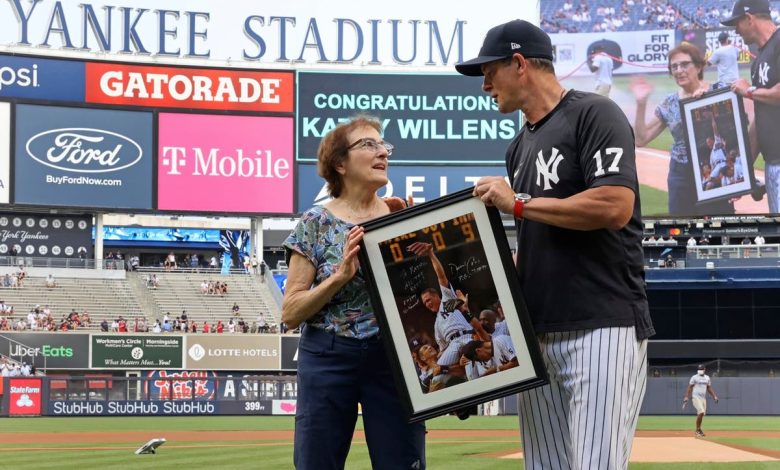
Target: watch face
pixel 523 197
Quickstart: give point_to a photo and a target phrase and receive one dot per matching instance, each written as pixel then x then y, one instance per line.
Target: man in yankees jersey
pixel 495 355
pixel 753 22
pixel 454 325
pixel 575 197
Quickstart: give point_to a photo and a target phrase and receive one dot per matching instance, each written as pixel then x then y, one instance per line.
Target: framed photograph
pixel 446 294
pixel 717 138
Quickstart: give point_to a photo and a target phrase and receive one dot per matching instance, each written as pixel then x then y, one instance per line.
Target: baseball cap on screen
pixel 701 367
pixel 743 7
pixel 502 41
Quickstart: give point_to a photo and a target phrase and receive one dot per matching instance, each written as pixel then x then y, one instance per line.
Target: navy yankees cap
pixel 701 367
pixel 504 40
pixel 743 7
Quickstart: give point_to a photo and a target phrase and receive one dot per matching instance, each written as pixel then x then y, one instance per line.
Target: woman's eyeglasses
pixel 372 145
pixel 680 65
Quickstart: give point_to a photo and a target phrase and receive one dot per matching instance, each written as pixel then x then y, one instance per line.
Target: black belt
pixel 460 333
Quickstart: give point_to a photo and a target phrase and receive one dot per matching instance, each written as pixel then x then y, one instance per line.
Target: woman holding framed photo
pixel 341 359
pixel 686 66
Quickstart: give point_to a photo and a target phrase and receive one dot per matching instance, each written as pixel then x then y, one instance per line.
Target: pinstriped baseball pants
pixel 586 417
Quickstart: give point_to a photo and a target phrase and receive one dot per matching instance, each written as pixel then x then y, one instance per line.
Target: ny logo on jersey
pixel 763 73
pixel 548 168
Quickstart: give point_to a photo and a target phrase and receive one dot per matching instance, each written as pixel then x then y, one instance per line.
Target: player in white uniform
pixel 699 386
pixel 454 325
pixel 500 351
pixel 717 152
pixel 490 323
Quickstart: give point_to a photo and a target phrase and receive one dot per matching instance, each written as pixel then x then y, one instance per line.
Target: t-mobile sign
pixel 233 164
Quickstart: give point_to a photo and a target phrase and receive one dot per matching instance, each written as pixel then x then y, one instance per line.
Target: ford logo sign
pixel 83 150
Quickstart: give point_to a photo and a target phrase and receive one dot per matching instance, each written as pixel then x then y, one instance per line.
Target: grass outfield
pixel 442 453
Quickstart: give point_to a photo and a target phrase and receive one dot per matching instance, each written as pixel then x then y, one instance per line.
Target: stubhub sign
pixel 37 78
pixel 423 183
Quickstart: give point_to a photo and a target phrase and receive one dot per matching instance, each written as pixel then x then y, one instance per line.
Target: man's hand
pixel 495 191
pixel 740 86
pixel 463 298
pixel 420 248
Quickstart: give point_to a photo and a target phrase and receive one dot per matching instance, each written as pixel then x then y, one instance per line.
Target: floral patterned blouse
pixel 668 111
pixel 320 237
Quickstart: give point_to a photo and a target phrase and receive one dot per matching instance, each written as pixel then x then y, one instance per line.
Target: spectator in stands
pixel 602 65
pixel 220 327
pixel 5 368
pixel 746 252
pixel 50 282
pixel 122 325
pixel 254 265
pixel 184 315
pixel 21 276
pixel 25 369
pixel 135 261
pixel 84 318
pixel 194 261
pixel 213 262
pixel 759 240
pixel 157 328
pixel 104 326
pixel 115 325
pixel 235 309
pixel 670 262
pixel 725 58
pixel 322 256
pixel 231 326
pixel 167 327
pixel 7 280
pixel 82 253
pixel 752 20
pixel 170 262
pixel 691 242
pixel 262 325
pixel 154 281
pixel 686 65
pixel 206 328
pixel 194 327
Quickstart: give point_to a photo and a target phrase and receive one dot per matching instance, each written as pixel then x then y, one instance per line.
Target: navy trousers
pixel 334 375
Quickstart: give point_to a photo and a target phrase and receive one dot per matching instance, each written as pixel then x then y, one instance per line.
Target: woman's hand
pixel 641 89
pixel 350 264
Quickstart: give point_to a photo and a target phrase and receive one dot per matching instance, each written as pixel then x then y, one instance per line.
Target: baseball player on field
pixel 454 325
pixel 700 385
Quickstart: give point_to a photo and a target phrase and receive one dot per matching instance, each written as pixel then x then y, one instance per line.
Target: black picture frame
pixel 716 123
pixel 469 241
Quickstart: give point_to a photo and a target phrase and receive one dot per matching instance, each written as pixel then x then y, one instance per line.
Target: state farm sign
pixel 179 87
pixel 217 163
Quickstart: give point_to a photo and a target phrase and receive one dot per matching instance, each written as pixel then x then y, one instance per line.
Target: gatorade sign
pixel 24 397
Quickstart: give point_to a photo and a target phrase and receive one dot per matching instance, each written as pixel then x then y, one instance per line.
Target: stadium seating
pixel 181 291
pixel 102 298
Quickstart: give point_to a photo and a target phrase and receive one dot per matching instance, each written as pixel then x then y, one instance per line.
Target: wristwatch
pixel 521 199
pixel 749 92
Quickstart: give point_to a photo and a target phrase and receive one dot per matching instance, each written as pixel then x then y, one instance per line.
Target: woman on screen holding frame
pixel 686 66
pixel 341 360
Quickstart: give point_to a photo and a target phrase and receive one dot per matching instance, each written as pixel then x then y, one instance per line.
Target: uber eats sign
pixel 47 350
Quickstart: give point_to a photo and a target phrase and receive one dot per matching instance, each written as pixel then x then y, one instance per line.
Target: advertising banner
pixel 198 88
pixel 633 52
pixel 136 352
pixel 225 164
pixel 53 236
pixel 423 183
pixel 707 41
pixel 290 352
pixel 429 118
pixel 284 407
pixel 241 352
pixel 131 408
pixel 83 157
pixel 432 34
pixel 180 385
pixel 5 152
pixel 24 396
pixel 47 351
pixel 40 78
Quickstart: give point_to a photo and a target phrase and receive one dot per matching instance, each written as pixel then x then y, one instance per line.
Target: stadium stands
pixel 179 291
pixel 575 16
pixel 101 298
